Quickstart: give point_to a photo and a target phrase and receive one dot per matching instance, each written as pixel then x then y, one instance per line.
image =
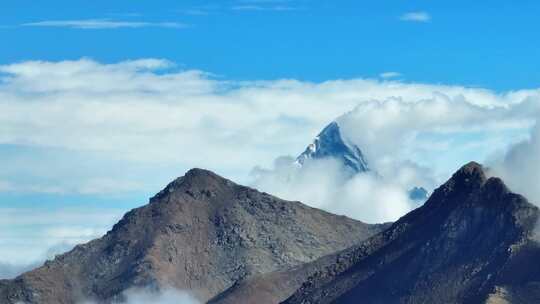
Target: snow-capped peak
pixel 330 144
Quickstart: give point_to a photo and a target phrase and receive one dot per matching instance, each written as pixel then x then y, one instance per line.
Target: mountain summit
pixel 331 144
pixel 202 233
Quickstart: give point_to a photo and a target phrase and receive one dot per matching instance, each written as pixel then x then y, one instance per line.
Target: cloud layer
pixel 325 184
pixel 132 126
pixel 144 114
pixel 520 167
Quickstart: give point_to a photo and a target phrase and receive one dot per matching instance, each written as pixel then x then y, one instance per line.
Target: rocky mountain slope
pixel 471 242
pixel 202 233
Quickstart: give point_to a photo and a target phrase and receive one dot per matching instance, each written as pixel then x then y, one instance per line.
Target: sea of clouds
pixel 109 129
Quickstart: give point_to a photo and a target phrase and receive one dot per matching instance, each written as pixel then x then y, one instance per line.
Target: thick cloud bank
pixel 106 128
pixel 325 184
pixel 520 167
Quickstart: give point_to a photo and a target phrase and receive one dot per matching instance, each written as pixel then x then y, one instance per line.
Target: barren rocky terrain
pixel 202 233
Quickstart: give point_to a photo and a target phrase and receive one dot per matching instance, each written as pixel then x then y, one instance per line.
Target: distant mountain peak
pixel 331 144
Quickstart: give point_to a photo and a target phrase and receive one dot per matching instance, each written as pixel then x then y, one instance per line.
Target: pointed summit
pixel 197 183
pixel 330 144
pixel 468 179
pixel 470 176
pixel 472 170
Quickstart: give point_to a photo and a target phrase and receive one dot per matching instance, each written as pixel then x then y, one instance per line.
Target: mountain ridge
pixel 201 233
pixel 451 250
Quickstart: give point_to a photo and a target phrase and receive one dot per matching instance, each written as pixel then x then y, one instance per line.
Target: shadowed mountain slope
pixel 202 233
pixel 470 243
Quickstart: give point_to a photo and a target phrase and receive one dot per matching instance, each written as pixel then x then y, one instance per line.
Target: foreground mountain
pixel 331 144
pixel 202 233
pixel 469 243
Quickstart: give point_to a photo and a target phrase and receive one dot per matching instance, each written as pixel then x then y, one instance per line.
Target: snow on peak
pixel 330 144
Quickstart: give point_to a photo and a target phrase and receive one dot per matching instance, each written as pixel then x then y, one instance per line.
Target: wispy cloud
pixel 264 5
pixel 102 24
pixel 263 8
pixel 388 75
pixel 201 10
pixel 265 1
pixel 126 14
pixel 419 16
pixel 195 11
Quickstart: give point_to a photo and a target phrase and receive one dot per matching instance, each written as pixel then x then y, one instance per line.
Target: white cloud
pixel 167 296
pixel 395 122
pixel 147 296
pixel 263 8
pixel 87 24
pixel 31 235
pixel 369 197
pixel 388 75
pixel 11 269
pixel 416 16
pixel 520 167
pixel 6 186
pixel 116 127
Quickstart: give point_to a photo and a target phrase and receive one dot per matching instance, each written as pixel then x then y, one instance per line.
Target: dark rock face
pixel 202 233
pixel 271 288
pixel 469 243
pixel 330 144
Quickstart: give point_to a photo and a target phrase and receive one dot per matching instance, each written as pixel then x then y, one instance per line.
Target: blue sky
pixel 487 44
pixel 102 103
